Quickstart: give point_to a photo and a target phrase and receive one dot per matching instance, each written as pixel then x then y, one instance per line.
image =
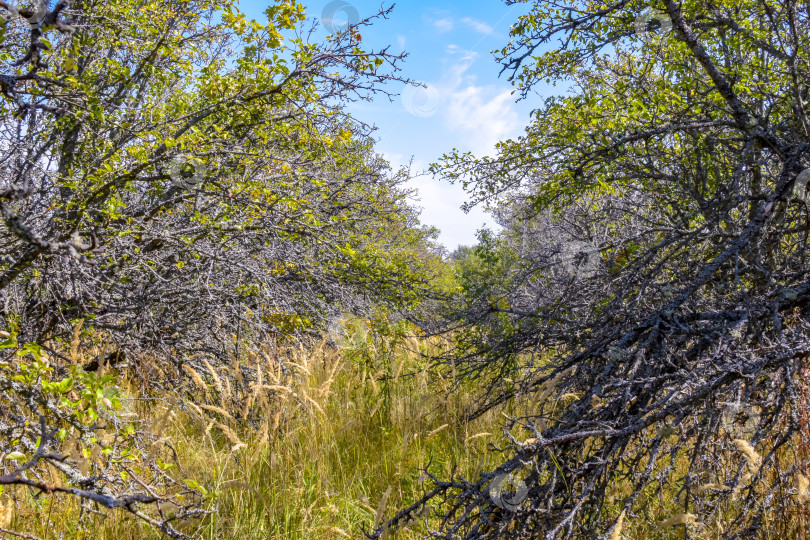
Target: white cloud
pixel 440 203
pixel 444 25
pixel 395 160
pixel 467 57
pixel 479 26
pixel 482 116
pixel 470 116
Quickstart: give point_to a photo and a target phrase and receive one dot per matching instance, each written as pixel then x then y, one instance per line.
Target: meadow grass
pixel 347 448
pixel 327 441
pixel 339 441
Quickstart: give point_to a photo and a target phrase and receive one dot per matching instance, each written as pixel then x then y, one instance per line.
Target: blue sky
pixel 466 106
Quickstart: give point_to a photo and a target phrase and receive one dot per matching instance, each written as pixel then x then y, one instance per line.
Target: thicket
pixel 180 187
pixel 653 266
pixel 183 196
pixel 345 426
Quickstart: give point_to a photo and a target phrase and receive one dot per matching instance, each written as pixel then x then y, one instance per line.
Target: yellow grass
pixel 324 450
pixel 322 444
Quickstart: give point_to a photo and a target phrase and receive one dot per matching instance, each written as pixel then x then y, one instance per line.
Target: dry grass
pixel 322 442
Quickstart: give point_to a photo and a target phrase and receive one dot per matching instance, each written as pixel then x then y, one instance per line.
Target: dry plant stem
pixel 19 534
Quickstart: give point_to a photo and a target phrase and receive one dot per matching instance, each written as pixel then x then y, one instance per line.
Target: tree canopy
pixel 652 268
pixel 181 182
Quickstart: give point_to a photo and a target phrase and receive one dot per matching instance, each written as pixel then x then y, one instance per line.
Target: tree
pixel 674 177
pixel 184 183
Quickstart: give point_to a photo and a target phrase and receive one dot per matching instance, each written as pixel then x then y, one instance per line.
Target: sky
pixel 466 105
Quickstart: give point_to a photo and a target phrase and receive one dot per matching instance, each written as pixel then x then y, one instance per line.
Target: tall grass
pixel 325 441
pixel 346 447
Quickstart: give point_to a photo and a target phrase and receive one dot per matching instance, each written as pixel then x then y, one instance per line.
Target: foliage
pixel 320 465
pixel 183 196
pixel 658 219
pixel 85 443
pixel 182 184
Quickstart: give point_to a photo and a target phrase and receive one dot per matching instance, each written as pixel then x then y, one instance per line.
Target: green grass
pixel 318 459
pixel 324 472
pixel 329 447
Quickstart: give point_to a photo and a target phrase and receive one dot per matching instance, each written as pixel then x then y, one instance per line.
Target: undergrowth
pixel 321 441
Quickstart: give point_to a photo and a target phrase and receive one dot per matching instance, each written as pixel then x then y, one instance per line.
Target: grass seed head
pixel 6 513
pixel 678 519
pixel 617 530
pixel 803 484
pixel 753 459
